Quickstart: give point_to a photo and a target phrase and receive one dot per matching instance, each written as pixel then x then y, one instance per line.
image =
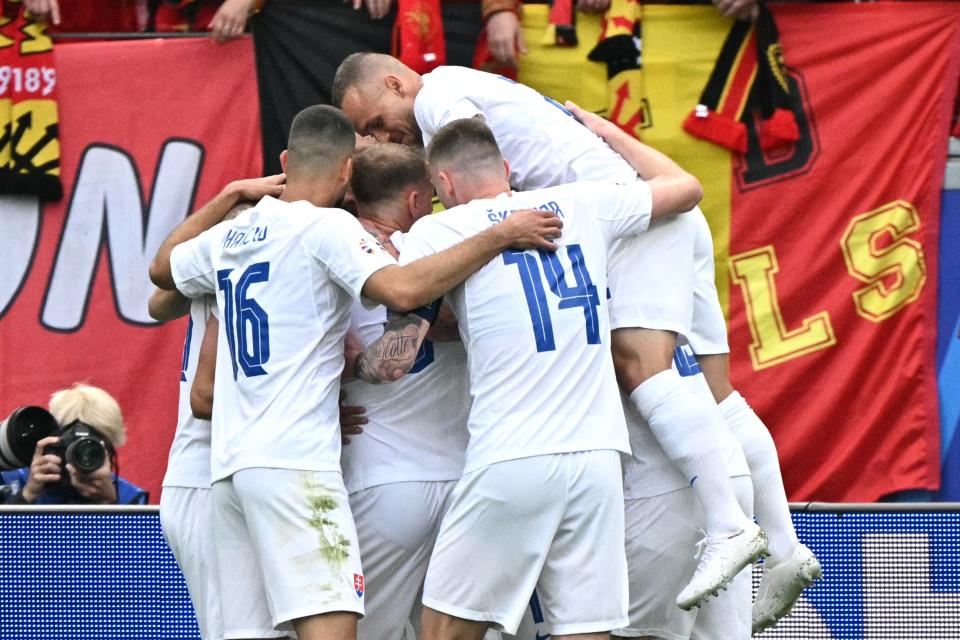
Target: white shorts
pixel 664 279
pixel 708 333
pixel 554 522
pixel 662 535
pixel 186 523
pixel 397 525
pixel 286 548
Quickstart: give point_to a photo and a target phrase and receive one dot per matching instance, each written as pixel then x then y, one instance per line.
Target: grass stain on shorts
pixel 334 546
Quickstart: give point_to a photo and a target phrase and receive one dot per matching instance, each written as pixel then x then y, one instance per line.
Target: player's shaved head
pixel 465 162
pixel 377 92
pixel 358 69
pixel 464 145
pixel 321 139
pixel 384 171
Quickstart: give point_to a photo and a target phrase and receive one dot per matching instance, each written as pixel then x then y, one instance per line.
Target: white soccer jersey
pixel 544 143
pixel 284 274
pixel 535 323
pixel 417 426
pixel 648 471
pixel 189 462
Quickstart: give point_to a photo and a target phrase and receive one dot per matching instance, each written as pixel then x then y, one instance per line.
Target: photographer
pixel 81 411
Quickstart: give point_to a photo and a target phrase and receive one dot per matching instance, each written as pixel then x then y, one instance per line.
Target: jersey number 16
pixel 245 322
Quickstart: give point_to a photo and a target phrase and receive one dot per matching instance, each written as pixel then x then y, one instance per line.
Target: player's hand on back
pixel 597 124
pixel 352 419
pixel 254 189
pixel 530 229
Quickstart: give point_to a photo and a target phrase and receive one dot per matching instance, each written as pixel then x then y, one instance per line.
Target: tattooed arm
pixel 391 355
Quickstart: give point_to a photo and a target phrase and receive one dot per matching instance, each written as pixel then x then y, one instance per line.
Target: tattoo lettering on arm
pixel 389 357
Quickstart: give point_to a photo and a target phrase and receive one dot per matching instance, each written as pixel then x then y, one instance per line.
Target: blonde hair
pixel 90 405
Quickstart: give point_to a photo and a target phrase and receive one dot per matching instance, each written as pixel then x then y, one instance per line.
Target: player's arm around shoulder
pixel 393 354
pixel 191 266
pixel 672 189
pixel 206 217
pixel 432 273
pixel 164 305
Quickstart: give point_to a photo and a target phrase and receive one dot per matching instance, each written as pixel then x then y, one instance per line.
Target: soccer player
pixel 791 566
pixel 401 471
pixel 663 520
pixel 185 501
pixel 540 503
pixel 667 274
pixel 283 273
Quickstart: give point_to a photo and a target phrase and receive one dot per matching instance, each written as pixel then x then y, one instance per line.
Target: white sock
pixel 769 497
pixel 685 425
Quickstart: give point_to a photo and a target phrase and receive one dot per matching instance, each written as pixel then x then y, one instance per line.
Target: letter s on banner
pixel 895 273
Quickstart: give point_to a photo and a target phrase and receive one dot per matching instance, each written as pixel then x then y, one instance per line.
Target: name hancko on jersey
pixel 240 238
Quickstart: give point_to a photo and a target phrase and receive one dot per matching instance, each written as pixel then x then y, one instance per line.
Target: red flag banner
pixel 825 248
pixel 833 247
pixel 148 129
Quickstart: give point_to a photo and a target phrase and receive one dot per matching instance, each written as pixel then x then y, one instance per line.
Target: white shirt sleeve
pixel 434 108
pixel 622 210
pixel 367 324
pixel 191 265
pixel 345 249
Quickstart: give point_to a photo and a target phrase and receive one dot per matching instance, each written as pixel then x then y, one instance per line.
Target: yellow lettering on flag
pixel 37 40
pixel 771 342
pixel 895 273
pixel 5 41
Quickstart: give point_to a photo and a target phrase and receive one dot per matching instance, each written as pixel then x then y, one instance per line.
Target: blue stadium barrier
pixel 892 571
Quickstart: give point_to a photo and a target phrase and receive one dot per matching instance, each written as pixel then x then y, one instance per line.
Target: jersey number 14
pixel 245 322
pixel 582 294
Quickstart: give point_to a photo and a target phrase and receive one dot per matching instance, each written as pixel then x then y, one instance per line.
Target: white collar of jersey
pixel 269 202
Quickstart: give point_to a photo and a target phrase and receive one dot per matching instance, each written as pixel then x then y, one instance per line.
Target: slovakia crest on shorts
pixel 358 584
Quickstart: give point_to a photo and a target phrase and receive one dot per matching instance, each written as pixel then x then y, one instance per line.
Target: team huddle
pixel 538 430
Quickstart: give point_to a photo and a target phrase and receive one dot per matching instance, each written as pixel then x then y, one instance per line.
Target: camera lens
pixel 86 454
pixel 20 433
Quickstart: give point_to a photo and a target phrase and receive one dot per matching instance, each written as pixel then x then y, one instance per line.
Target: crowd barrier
pixel 891 571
